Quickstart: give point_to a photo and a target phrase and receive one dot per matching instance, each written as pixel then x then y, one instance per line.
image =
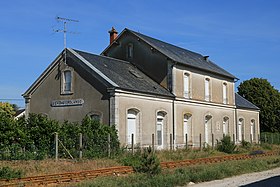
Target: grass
pixel 48 166
pixel 182 176
pixel 42 167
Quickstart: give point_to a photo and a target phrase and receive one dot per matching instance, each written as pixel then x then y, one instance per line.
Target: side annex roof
pixel 242 103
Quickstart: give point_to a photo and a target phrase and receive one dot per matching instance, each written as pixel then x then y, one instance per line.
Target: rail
pixel 69 177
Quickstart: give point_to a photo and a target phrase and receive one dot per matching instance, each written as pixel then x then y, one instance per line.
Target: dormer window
pixel 67 81
pixel 129 51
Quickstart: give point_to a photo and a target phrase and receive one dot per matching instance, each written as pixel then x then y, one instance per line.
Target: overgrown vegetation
pixel 33 138
pixel 182 176
pixel 8 173
pixel 226 145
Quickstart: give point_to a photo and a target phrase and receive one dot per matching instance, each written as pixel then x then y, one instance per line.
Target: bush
pixel 8 173
pixel 226 145
pixel 149 163
pixel 245 144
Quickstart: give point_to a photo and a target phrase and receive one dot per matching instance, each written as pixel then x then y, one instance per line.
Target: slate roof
pixel 243 103
pixel 124 74
pixel 183 56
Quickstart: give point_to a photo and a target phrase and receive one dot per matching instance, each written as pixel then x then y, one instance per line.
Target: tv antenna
pixel 64 30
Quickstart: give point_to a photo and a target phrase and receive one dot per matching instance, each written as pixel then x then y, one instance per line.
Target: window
pixel 159 128
pixel 67 82
pixel 225 98
pixel 207 89
pixel 95 117
pixel 186 85
pixel 240 127
pixel 225 125
pixel 208 128
pixel 187 127
pixel 129 51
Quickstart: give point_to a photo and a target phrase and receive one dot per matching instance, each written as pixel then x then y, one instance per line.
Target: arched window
pixel 253 130
pixel 187 127
pixel 225 97
pixel 207 89
pixel 131 126
pixel 240 127
pixel 159 128
pixel 225 125
pixel 186 85
pixel 208 128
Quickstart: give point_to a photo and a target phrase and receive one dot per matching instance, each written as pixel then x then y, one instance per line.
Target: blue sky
pixel 242 36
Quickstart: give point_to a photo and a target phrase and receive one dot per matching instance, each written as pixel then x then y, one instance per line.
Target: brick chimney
pixel 113 35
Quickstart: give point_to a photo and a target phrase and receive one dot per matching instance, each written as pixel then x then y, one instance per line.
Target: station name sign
pixel 70 102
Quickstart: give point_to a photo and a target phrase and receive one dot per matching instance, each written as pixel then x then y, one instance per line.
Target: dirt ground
pixel 263 179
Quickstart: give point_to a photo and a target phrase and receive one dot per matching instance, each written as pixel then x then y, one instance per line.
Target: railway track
pixel 53 179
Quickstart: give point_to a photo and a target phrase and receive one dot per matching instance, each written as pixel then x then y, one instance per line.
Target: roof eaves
pixel 92 67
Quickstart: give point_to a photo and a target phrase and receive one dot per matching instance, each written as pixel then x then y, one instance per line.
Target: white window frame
pixel 132 116
pixel 225 93
pixel 207 89
pixel 160 126
pixel 253 130
pixel 187 127
pixel 63 82
pixel 240 129
pixel 225 125
pixel 187 85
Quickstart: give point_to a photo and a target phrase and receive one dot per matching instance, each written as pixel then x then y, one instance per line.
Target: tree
pixel 261 93
pixel 7 108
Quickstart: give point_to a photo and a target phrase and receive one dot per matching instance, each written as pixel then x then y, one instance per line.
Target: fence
pixel 270 138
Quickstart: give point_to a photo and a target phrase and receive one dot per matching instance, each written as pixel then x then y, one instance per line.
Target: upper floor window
pixel 186 85
pixel 207 89
pixel 67 82
pixel 225 98
pixel 129 51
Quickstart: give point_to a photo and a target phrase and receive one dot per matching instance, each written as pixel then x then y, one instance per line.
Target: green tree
pixel 7 108
pixel 261 93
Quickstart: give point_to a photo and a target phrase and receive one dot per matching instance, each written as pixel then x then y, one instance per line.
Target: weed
pixel 8 173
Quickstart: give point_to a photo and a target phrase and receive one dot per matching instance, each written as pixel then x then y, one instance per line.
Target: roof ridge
pixel 162 42
pixel 103 56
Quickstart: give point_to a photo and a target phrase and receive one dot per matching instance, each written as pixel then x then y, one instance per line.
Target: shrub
pixel 226 145
pixel 149 163
pixel 245 144
pixel 8 173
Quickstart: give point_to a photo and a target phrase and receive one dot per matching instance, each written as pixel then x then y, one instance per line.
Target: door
pixel 131 126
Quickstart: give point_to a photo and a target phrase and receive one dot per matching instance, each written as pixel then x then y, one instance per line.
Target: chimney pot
pixel 113 35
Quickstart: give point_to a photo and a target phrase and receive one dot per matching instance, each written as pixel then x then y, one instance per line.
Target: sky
pixel 241 36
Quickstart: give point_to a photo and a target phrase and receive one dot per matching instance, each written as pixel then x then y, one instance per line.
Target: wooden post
pixel 259 138
pixel 200 143
pixel 109 145
pixel 187 141
pixel 153 142
pixel 80 145
pixel 56 145
pixel 233 137
pixel 171 142
pixel 265 139
pixel 213 143
pixel 132 143
pixel 272 138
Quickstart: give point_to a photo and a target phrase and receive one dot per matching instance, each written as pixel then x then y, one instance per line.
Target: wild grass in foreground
pixel 182 176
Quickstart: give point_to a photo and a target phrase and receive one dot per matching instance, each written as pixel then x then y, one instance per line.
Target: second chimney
pixel 113 35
